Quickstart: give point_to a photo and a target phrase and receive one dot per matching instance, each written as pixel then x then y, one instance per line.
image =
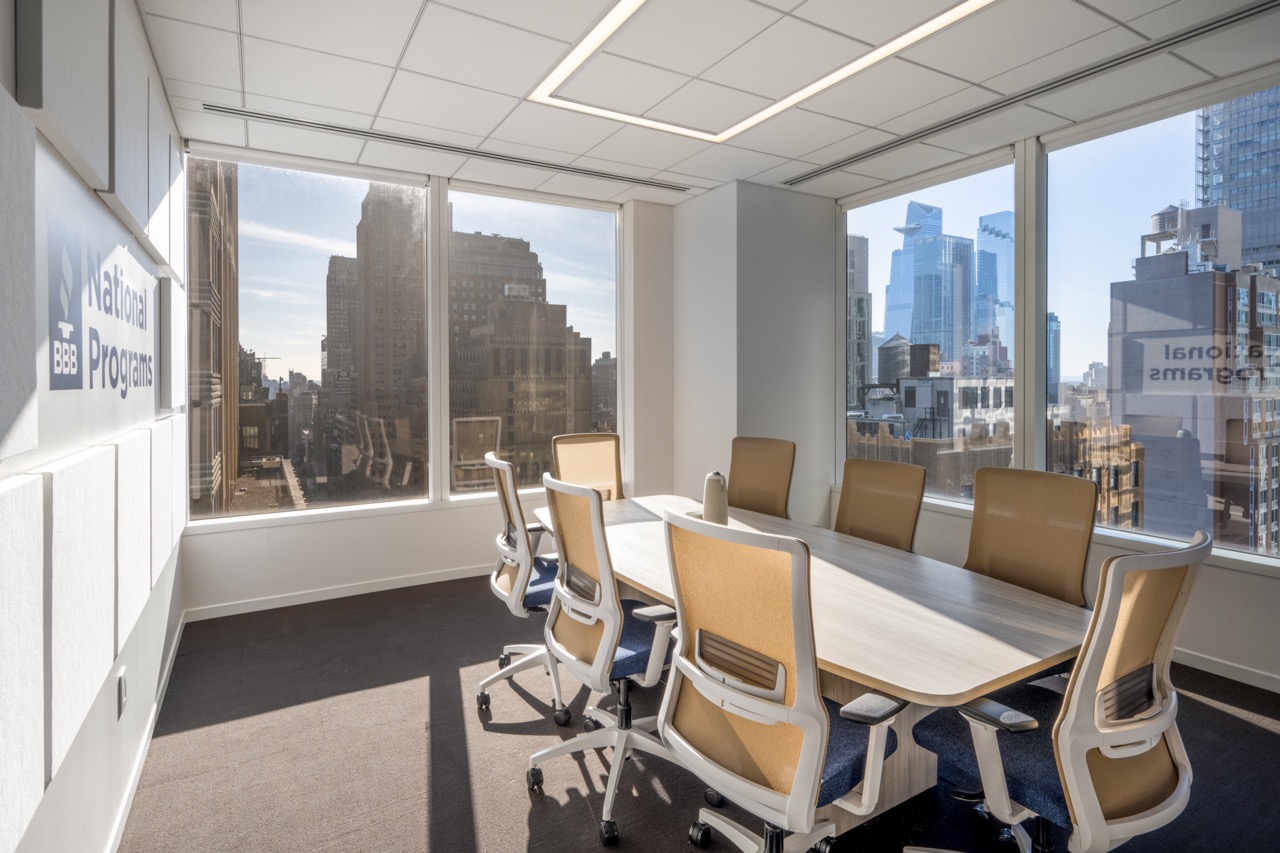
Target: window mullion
pixel 437 266
pixel 1030 302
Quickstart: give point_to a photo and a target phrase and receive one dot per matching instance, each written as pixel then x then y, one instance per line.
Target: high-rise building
pixel 530 368
pixel 993 288
pixel 1053 354
pixel 858 353
pixel 480 268
pixel 338 368
pixel 213 306
pixel 923 220
pixel 1237 147
pixel 942 309
pixel 604 393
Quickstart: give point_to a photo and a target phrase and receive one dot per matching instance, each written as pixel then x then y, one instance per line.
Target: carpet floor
pixel 351 725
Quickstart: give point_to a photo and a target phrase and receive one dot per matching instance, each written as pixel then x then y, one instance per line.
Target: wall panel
pixel 133 530
pixel 127 194
pixel 162 477
pixel 22 662
pixel 80 505
pixel 18 422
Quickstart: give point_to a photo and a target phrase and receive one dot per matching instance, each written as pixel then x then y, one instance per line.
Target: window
pixel 308 341
pixel 543 279
pixel 1162 276
pixel 933 269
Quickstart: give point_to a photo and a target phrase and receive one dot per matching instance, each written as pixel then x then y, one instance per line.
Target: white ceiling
pixel 456 73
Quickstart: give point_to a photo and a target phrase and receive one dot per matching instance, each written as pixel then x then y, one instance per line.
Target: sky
pixel 291 222
pixel 1101 198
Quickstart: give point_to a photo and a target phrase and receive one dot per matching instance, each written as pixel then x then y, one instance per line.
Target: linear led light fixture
pixel 622 12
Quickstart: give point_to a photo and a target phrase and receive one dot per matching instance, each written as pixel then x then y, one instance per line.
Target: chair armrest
pixel 992 713
pixel 655 613
pixel 872 708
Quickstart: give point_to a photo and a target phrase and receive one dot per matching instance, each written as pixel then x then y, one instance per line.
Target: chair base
pixel 749 842
pixel 533 657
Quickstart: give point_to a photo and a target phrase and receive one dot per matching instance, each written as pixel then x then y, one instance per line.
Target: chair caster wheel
pixel 590 724
pixel 562 716
pixel 714 798
pixel 533 778
pixel 608 833
pixel 504 660
pixel 482 701
pixel 700 835
pixel 824 845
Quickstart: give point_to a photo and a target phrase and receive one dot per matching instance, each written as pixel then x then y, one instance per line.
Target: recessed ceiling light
pixel 625 9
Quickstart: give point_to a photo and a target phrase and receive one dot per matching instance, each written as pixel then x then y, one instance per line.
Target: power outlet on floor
pixel 122 692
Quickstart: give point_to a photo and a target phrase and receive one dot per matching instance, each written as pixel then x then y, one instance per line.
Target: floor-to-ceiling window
pixel 930 329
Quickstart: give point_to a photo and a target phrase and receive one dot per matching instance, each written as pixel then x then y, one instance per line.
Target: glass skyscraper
pixel 1238 158
pixel 923 220
pixel 993 294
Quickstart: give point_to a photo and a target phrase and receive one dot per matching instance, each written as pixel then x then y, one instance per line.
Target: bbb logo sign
pixel 66 308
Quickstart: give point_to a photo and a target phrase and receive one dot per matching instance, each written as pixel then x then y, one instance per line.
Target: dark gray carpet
pixel 351 725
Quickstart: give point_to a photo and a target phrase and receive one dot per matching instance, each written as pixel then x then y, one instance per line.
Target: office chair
pixel 605 641
pixel 589 459
pixel 523 580
pixel 1032 529
pixel 742 709
pixel 880 501
pixel 760 474
pixel 1113 766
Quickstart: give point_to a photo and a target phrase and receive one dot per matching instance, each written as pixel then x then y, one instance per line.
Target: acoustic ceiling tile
pixel 210 13
pixel 405 158
pixel 995 130
pixel 837 184
pixel 727 163
pixel 297 74
pixel 567 20
pixel 196 54
pixel 884 91
pixel 430 134
pixel 528 152
pixel 501 174
pixel 904 161
pixel 855 144
pixel 1238 48
pixel 796 132
pixel 785 58
pixel 1006 35
pixel 707 107
pixel 646 147
pixel 620 84
pixel 554 128
pixel 479 52
pixel 613 167
pixel 446 105
pixel 307 143
pixel 206 127
pixel 690 37
pixel 335 26
pixel 1129 84
pixel 1082 54
pixel 871 21
pixel 308 112
pixel 955 104
pixel 1171 17
pixel 582 186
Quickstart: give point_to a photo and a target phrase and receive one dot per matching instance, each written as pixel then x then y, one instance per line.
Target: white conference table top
pixel 917 628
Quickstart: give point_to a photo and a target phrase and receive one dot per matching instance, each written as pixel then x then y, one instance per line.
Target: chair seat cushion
pixel 541 581
pixel 1028 759
pixel 846 754
pixel 632 657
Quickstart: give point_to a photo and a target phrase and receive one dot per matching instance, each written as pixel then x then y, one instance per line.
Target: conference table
pixel 893 621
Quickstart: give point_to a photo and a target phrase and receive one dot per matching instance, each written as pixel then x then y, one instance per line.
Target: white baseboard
pixel 1234 671
pixel 271 602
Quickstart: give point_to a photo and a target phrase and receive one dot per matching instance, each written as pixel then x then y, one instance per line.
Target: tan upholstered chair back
pixel 1120 757
pixel 880 501
pixel 760 474
pixel 472 439
pixel 515 552
pixel 590 459
pixel 1033 529
pixel 585 618
pixel 743 702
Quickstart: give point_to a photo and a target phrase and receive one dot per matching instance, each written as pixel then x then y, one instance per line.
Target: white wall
pixel 647 359
pixel 8 74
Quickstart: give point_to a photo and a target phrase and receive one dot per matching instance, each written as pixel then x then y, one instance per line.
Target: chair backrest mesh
pixel 760 474
pixel 581 574
pixel 741 595
pixel 880 501
pixel 513 530
pixel 590 459
pixel 1032 529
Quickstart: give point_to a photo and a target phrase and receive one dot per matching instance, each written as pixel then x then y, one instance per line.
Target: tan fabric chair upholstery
pixel 743 710
pixel 1033 529
pixel 523 581
pixel 472 439
pixel 590 459
pixel 880 501
pixel 760 474
pixel 1114 765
